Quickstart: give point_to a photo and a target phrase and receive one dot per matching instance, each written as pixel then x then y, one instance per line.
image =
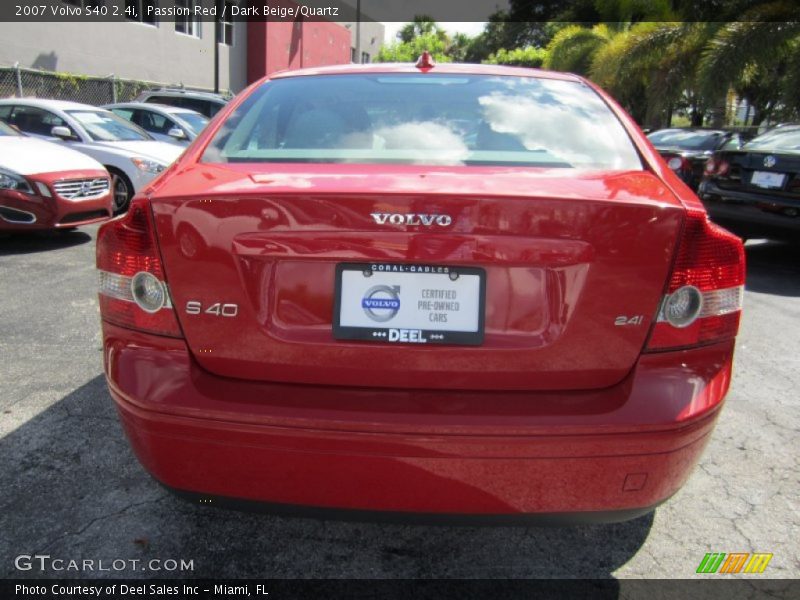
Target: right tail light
pixel 704 296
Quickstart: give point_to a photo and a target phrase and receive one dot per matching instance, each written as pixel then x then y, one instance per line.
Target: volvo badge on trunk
pixel 412 219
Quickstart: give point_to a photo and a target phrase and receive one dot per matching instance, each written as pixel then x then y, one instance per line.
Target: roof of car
pixel 441 68
pixel 150 106
pixel 182 92
pixel 46 103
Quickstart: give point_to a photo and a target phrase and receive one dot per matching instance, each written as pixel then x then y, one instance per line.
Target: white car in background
pixel 131 155
pixel 165 123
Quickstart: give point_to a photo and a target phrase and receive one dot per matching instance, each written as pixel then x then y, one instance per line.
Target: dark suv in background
pixel 205 103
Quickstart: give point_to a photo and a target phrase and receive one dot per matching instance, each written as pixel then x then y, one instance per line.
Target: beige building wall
pixel 127 49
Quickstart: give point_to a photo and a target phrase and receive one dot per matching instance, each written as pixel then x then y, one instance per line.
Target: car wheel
pixel 121 189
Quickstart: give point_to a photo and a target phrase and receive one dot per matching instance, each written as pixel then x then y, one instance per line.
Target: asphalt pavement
pixel 72 489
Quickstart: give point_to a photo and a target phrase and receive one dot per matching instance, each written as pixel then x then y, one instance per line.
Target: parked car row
pixel 752 188
pixel 65 164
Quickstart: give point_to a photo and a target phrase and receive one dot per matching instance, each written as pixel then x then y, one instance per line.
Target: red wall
pixel 276 45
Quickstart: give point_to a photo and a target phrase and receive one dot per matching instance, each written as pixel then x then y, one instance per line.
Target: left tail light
pixel 133 286
pixel 704 295
pixel 716 166
pixel 679 164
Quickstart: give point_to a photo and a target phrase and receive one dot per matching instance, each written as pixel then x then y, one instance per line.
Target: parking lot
pixel 73 490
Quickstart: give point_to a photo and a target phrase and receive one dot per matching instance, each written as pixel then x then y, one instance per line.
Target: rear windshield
pixel 425 119
pixel 688 140
pixel 777 140
pixel 205 107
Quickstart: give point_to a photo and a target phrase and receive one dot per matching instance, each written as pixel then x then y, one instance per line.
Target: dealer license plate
pixel 414 304
pixel 766 179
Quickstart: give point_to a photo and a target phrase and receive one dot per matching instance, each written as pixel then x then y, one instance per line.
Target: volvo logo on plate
pixel 770 161
pixel 412 219
pixel 381 302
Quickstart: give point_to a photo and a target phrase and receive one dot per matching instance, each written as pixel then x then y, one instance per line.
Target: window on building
pixel 364 57
pixel 141 11
pixel 185 20
pixel 225 30
pixel 353 55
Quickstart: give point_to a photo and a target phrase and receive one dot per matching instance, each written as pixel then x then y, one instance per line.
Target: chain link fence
pixel 33 83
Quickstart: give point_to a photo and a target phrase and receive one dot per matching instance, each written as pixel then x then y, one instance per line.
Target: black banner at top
pixel 153 11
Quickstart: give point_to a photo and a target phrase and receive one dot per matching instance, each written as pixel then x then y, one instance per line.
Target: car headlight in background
pixel 13 181
pixel 149 166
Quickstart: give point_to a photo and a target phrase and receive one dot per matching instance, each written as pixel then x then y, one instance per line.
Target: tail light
pixel 704 296
pixel 716 166
pixel 679 164
pixel 133 287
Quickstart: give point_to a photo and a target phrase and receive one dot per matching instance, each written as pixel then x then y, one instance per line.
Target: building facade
pixel 182 51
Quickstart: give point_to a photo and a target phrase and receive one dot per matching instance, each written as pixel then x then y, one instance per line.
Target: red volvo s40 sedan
pixel 451 290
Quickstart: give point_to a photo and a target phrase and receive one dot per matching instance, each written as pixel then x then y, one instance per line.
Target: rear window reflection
pixel 430 119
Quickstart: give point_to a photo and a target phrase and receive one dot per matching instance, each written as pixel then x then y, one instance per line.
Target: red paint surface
pixel 564 255
pixel 416 450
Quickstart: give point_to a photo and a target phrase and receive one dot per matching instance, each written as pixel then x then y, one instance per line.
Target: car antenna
pixel 425 62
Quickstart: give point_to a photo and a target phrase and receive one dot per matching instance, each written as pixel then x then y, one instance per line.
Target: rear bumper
pixel 613 453
pixel 751 214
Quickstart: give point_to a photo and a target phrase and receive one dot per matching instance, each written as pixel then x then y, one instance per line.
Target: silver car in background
pixel 130 154
pixel 165 123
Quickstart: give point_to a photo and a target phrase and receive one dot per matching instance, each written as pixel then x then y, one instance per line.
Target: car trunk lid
pixel 575 266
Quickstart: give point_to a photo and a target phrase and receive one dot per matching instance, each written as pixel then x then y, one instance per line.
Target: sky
pixel 450 27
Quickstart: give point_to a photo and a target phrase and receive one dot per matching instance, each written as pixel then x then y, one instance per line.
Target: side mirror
pixel 62 132
pixel 177 133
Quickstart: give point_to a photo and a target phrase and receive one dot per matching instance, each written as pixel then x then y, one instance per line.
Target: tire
pixel 121 189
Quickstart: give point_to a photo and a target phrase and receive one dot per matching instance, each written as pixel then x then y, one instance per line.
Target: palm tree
pixel 652 67
pixel 656 62
pixel 422 25
pixel 758 56
pixel 573 48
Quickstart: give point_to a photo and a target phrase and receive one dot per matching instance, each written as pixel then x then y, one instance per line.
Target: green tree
pixel 759 57
pixel 410 51
pixel 655 62
pixel 519 57
pixel 573 48
pixel 422 25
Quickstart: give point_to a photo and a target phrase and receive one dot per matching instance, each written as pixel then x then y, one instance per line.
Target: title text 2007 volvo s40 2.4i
pixel 449 290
